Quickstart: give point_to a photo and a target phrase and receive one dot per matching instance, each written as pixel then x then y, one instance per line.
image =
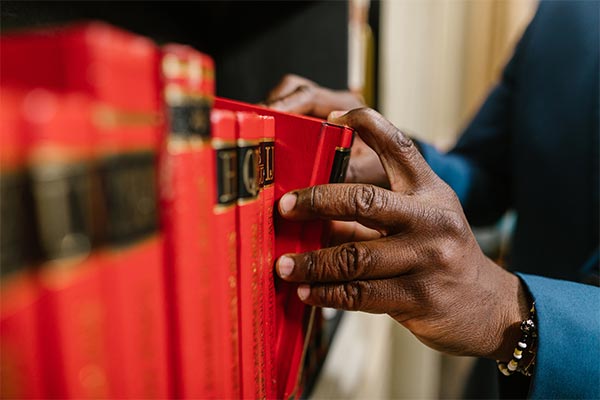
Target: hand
pixel 302 96
pixel 423 266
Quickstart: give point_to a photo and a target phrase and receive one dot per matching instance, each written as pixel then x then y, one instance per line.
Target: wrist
pixel 518 305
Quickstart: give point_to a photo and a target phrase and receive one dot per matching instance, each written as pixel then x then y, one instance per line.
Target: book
pixel 71 308
pixel 223 244
pixel 186 208
pixel 249 222
pixel 20 353
pixel 118 71
pixel 267 189
pixel 308 151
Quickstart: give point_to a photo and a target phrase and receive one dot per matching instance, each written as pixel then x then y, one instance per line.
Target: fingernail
pixel 335 114
pixel 285 266
pixel 303 292
pixel 287 202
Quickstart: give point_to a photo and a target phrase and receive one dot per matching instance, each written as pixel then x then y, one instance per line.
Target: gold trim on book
pixel 198 143
pixel 221 144
pixel 342 148
pixel 177 144
pixel 176 95
pixel 172 66
pixel 106 117
pixel 241 202
pixel 223 208
pixel 248 143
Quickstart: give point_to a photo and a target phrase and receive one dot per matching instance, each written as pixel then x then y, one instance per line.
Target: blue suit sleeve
pixel 568 352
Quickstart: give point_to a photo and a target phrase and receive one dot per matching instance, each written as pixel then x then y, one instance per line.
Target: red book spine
pixel 71 311
pixel 134 251
pixel 20 366
pixel 223 266
pixel 186 210
pixel 100 61
pixel 249 131
pixel 267 155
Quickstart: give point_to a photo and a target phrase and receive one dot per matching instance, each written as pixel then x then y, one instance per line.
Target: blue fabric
pixel 568 355
pixel 533 146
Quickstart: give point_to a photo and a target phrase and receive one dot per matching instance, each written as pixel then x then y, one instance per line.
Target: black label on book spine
pixel 340 165
pixel 248 181
pixel 191 119
pixel 18 239
pixel 62 195
pixel 227 175
pixel 267 152
pixel 129 189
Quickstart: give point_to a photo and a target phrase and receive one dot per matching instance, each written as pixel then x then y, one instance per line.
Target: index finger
pixel 403 164
pixel 372 206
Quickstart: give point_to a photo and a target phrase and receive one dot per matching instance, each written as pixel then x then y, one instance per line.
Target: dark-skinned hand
pixel 413 257
pixel 299 95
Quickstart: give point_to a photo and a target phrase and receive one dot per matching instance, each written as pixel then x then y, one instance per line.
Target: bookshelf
pixel 253 43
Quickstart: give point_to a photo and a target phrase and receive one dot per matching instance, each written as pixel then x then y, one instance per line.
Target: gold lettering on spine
pixel 249 171
pixel 228 161
pixel 268 162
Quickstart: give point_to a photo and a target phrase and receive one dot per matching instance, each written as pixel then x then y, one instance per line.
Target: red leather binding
pixel 222 258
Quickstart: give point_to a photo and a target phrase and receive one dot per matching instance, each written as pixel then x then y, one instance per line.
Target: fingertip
pixel 287 203
pixel 285 266
pixel 303 292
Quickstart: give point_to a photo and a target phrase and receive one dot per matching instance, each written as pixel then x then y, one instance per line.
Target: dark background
pixel 254 43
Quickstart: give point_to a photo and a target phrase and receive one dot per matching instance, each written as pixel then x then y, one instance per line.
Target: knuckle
pixel 352 260
pixel 367 200
pixel 347 296
pixel 364 198
pixel 311 271
pixel 453 223
pixel 400 139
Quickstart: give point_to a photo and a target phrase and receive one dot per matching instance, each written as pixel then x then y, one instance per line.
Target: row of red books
pixel 137 228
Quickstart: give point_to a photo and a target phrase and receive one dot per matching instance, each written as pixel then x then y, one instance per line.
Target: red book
pixel 249 210
pixel 20 360
pixel 134 278
pixel 111 65
pixel 119 72
pixel 71 311
pixel 305 151
pixel 223 242
pixel 186 208
pixel 267 154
